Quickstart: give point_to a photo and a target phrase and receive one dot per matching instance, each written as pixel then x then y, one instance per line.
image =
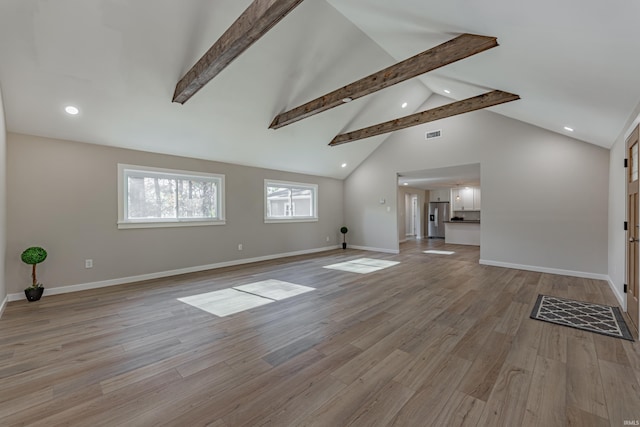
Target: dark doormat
pixel 601 319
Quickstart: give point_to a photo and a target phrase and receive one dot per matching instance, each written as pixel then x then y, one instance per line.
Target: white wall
pixel 62 195
pixel 617 216
pixel 618 211
pixel 544 195
pixel 3 204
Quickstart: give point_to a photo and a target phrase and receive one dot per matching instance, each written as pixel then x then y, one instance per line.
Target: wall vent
pixel 433 134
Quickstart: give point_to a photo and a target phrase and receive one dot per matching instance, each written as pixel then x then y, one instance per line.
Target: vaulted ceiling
pixel 573 63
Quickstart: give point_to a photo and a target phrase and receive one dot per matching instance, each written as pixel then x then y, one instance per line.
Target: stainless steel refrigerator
pixel 438 214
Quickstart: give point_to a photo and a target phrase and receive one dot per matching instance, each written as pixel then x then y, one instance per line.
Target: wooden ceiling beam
pixel 254 22
pixel 453 50
pixel 479 102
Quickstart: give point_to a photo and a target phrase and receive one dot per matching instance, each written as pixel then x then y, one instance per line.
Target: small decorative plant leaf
pixel 33 255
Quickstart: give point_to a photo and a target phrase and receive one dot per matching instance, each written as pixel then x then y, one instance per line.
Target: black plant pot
pixel 33 294
pixel 344 245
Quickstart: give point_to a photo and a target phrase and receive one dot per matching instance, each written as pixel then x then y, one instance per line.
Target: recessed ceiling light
pixel 347 99
pixel 404 105
pixel 344 165
pixel 447 91
pixel 406 183
pixel 70 109
pixel 568 128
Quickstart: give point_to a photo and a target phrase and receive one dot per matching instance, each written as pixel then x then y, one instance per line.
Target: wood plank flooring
pixel 437 340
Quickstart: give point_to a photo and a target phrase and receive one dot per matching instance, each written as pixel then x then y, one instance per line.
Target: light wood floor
pixel 434 341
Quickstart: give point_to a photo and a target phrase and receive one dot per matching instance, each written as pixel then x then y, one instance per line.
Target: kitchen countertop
pixel 466 221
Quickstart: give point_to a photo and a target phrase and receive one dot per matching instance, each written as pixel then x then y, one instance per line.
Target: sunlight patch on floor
pixel 244 297
pixel 225 302
pixel 438 252
pixel 274 289
pixel 362 265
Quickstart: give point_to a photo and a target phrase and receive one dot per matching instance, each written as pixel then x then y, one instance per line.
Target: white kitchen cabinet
pixel 456 200
pixel 465 199
pixel 476 199
pixel 441 195
pixel 462 233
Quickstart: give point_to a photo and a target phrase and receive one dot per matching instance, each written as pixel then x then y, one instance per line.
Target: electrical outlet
pixel 240 247
pixel 327 238
pixel 88 263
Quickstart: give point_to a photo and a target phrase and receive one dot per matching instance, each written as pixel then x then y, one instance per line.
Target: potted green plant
pixel 344 231
pixel 33 256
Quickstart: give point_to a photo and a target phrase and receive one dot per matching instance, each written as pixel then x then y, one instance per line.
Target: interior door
pixel 633 227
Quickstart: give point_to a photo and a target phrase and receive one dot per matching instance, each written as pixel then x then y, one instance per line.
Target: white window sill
pixel 277 221
pixel 167 224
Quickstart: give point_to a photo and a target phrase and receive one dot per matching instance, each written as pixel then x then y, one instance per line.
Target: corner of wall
pixel 619 295
pixel 616 263
pixel 3 204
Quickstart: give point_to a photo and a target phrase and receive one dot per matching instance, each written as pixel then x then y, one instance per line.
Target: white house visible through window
pixel 290 201
pixel 153 197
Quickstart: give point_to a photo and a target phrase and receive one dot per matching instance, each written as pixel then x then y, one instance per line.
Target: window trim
pixel 314 199
pixel 124 223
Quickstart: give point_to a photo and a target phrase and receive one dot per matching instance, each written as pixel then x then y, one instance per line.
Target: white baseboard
pixel 622 300
pixel 367 248
pixel 583 274
pixel 619 296
pixel 161 274
pixel 3 305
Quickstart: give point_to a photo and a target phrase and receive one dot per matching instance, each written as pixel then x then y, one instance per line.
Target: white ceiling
pixel 432 179
pixel 573 63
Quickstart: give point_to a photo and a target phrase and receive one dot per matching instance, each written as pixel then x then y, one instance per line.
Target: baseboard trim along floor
pixel 139 278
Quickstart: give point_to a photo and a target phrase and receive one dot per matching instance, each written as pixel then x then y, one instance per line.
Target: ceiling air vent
pixel 433 134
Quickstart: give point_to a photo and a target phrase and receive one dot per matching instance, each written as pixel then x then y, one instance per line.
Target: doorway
pixel 414 215
pixel 435 185
pixel 413 226
pixel 633 234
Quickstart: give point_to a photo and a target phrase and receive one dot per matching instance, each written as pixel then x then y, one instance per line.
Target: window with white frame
pixel 290 201
pixel 154 197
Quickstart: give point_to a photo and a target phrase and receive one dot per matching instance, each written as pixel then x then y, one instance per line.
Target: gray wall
pixel 3 201
pixel 544 195
pixel 62 195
